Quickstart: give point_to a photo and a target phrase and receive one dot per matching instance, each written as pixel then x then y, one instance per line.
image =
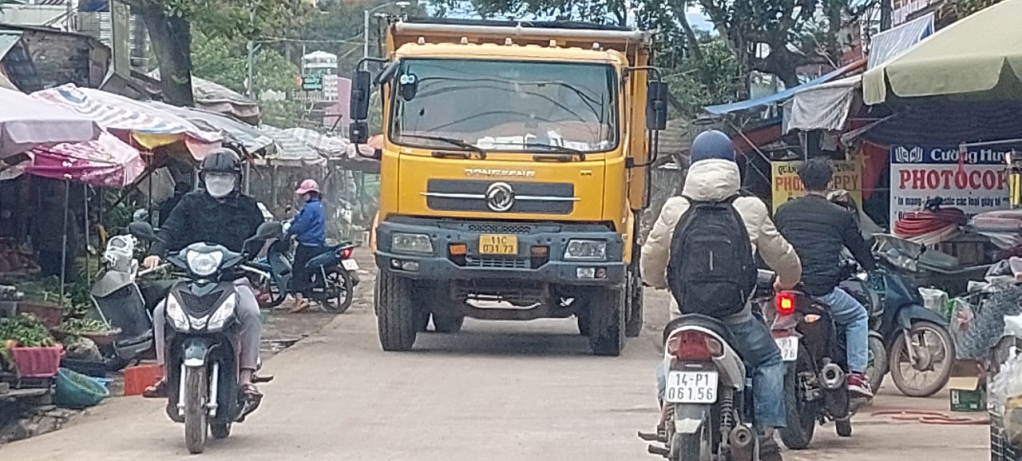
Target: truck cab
pixel 512 171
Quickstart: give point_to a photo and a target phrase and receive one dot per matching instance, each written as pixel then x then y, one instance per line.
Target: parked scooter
pixel 123 305
pixel 920 351
pixel 334 275
pixel 202 361
pixel 706 412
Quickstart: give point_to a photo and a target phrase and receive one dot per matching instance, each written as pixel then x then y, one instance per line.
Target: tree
pixel 171 23
pixel 791 33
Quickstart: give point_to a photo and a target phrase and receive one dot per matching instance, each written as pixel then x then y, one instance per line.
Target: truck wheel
pixel 633 327
pixel 395 318
pixel 607 321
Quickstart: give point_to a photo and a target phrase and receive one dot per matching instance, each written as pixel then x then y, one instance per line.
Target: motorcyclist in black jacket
pixel 219 214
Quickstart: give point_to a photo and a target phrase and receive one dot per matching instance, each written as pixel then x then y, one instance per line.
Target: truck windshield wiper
pixel 566 153
pixel 451 141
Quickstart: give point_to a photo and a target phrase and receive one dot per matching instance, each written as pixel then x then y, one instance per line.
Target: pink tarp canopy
pixel 106 162
pixel 26 123
pixel 147 124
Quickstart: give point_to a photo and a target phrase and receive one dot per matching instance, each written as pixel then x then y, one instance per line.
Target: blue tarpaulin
pixel 722 109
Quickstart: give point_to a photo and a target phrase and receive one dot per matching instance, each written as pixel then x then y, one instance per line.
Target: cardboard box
pixel 967 395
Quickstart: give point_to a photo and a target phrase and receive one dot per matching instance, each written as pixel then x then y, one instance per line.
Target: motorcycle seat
pixel 716 326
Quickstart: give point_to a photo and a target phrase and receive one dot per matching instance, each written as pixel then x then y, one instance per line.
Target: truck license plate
pixel 498 244
pixel 789 348
pixel 691 387
pixel 350 265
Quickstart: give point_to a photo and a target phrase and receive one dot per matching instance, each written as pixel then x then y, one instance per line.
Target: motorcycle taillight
pixel 785 303
pixel 346 253
pixel 694 345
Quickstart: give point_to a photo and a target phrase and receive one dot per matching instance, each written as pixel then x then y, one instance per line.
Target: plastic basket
pixel 37 362
pixel 76 390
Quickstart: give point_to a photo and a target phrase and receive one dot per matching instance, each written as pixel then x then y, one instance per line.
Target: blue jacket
pixel 309 228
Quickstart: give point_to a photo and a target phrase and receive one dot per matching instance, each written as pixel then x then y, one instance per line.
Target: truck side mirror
pixel 656 106
pixel 361 87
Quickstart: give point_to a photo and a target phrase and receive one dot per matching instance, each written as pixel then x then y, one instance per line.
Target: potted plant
pixel 33 350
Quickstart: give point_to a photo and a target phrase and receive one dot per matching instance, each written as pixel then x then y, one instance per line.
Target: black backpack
pixel 712 270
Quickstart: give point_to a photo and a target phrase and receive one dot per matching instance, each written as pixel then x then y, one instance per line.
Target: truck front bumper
pixel 539 257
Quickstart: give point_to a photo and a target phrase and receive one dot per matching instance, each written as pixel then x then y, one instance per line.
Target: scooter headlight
pixel 224 312
pixel 204 264
pixel 177 316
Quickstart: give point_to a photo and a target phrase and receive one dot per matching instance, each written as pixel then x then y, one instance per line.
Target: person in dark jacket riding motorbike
pixel 219 214
pixel 819 230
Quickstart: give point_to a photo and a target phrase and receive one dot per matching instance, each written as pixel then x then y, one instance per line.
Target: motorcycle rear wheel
pixel 196 394
pixel 801 415
pixel 220 430
pixel 338 281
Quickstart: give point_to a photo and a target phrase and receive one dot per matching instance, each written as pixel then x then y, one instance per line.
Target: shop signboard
pixel 787 185
pixel 906 10
pixel 974 179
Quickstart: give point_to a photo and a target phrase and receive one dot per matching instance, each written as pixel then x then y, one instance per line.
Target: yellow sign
pixel 787 185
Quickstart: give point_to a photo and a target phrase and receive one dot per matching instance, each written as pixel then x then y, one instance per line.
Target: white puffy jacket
pixel 716 180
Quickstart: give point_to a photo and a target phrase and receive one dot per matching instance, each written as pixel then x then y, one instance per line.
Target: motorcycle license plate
pixel 789 348
pixel 350 265
pixel 691 387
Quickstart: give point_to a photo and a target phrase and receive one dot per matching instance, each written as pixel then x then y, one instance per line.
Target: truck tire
pixel 607 321
pixel 633 327
pixel 395 312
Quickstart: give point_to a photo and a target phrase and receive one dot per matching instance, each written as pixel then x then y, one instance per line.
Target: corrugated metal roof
pixel 8 38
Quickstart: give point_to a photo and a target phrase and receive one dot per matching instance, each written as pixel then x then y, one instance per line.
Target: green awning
pixel 979 56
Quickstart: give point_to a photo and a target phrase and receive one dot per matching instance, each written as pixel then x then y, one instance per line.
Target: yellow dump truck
pixel 513 169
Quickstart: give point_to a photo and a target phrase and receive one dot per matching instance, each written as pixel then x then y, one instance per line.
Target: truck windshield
pixel 504 105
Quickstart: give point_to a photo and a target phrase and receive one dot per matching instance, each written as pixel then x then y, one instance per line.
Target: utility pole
pixel 250 61
pixel 365 35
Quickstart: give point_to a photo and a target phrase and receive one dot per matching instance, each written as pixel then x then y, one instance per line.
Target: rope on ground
pixel 931 417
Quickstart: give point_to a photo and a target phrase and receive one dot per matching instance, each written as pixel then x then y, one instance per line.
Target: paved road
pixel 498 391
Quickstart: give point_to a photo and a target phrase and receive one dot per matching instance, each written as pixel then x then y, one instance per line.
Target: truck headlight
pixel 411 243
pixel 586 250
pixel 177 316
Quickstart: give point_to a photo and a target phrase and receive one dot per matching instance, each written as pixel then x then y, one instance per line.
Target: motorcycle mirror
pixel 143 231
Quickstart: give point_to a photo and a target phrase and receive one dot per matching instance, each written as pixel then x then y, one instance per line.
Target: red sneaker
pixel 858 386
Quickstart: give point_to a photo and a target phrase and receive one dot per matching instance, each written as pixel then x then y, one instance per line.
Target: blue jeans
pixel 762 357
pixel 851 315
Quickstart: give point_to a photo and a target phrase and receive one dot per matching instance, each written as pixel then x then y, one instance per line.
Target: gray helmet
pixel 221 160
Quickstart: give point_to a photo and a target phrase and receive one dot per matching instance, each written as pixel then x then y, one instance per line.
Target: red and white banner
pixel 975 182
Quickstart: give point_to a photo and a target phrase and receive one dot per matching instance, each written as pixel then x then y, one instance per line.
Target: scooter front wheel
pixel 196 424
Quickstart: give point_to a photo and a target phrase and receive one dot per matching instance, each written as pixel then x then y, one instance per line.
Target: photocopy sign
pixel 975 181
pixel 787 185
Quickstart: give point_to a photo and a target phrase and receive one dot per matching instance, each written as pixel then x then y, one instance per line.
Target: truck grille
pixel 497 262
pixel 498 229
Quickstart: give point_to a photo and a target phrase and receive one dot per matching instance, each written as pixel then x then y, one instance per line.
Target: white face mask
pixel 219 185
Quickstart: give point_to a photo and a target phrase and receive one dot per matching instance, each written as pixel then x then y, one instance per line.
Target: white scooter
pixel 121 304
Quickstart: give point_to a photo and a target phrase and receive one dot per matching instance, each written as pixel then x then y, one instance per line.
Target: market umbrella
pixel 26 123
pixel 977 57
pixel 148 125
pixel 105 162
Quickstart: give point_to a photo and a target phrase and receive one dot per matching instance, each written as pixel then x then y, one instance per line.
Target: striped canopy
pixel 147 124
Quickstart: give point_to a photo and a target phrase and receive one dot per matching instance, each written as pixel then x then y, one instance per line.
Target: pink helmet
pixel 309 185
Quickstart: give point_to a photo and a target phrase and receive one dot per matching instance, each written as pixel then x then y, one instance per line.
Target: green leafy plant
pixel 84 326
pixel 26 330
